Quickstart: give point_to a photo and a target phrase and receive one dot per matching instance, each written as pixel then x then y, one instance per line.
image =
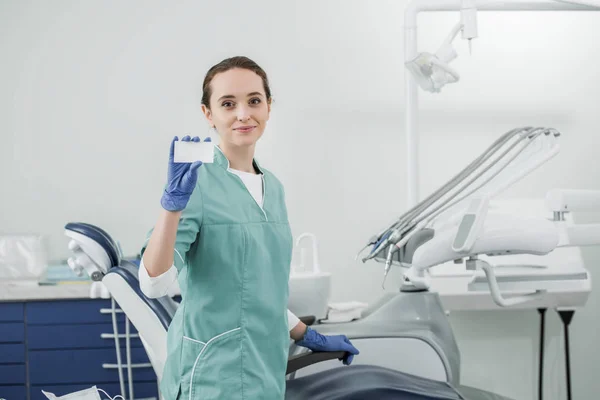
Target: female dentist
pixel 224 234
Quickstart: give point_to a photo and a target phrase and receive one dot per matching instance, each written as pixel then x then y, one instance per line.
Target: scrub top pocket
pixel 212 369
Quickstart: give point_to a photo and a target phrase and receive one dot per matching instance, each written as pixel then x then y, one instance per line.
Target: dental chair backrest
pixel 98 254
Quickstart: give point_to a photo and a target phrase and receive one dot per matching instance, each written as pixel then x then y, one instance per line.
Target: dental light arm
pixel 468 19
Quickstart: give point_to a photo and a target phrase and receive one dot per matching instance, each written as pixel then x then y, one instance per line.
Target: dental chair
pixel 96 253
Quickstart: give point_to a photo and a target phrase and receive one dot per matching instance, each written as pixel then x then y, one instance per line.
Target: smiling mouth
pixel 245 129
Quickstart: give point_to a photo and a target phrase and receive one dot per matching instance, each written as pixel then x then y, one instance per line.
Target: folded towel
pixel 344 312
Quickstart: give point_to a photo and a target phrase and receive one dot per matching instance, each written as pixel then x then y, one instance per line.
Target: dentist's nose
pixel 243 114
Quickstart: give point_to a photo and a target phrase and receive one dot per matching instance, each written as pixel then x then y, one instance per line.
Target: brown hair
pixel 226 65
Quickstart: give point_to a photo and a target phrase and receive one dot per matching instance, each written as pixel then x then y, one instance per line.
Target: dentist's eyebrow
pixel 227 96
pixel 230 96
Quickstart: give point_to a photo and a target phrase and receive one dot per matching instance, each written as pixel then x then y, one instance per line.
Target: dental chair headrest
pixel 98 235
pixel 164 307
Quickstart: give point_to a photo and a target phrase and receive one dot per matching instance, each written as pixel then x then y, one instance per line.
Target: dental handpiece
pixel 393 238
pixel 373 241
pixel 388 263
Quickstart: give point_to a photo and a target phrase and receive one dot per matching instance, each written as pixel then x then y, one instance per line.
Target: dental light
pixel 433 71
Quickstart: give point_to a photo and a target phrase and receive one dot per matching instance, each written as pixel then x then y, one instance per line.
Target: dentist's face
pixel 239 109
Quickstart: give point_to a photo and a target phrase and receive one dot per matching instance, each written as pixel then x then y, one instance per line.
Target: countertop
pixel 34 291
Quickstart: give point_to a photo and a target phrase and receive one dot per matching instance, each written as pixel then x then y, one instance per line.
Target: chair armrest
pixel 308 319
pixel 305 359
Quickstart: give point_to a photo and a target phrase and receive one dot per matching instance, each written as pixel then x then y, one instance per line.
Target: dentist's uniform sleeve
pixel 156 286
pixel 187 232
pixel 292 320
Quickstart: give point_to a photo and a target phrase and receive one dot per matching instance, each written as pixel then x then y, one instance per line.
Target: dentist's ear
pixel 208 115
pixel 269 102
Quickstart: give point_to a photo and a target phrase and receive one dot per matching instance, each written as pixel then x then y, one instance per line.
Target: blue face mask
pixel 86 394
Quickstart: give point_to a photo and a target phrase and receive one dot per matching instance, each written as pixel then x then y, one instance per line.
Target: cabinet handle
pixel 116 366
pixel 110 311
pixel 121 336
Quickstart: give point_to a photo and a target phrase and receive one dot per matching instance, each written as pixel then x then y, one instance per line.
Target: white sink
pixel 309 287
pixel 309 294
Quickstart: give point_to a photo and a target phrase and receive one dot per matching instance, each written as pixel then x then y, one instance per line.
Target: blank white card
pixel 186 152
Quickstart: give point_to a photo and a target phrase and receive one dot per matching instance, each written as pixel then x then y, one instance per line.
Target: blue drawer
pixel 41 337
pixel 12 353
pixel 83 365
pixel 140 390
pixel 69 312
pixel 13 392
pixel 13 374
pixel 11 312
pixel 12 332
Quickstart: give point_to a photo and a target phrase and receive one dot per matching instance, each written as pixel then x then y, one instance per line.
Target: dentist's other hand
pixel 181 179
pixel 314 341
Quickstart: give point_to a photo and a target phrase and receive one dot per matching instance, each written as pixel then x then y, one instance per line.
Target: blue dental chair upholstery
pixel 151 317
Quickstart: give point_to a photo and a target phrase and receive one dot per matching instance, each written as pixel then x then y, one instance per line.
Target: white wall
pixel 92 93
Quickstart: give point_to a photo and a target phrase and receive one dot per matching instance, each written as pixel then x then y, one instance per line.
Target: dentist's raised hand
pixel 181 179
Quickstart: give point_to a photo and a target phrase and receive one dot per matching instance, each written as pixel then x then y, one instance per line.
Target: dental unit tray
pixel 459 223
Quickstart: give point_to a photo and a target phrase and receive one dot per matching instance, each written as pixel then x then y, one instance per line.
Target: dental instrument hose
pixel 412 218
pixel 419 208
pixel 439 208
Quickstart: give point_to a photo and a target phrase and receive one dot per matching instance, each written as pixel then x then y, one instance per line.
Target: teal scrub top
pixel 229 338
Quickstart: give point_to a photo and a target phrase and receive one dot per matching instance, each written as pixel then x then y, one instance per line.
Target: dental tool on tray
pixel 460 206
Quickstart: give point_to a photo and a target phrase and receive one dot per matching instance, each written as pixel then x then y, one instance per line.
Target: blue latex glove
pixel 181 179
pixel 314 341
